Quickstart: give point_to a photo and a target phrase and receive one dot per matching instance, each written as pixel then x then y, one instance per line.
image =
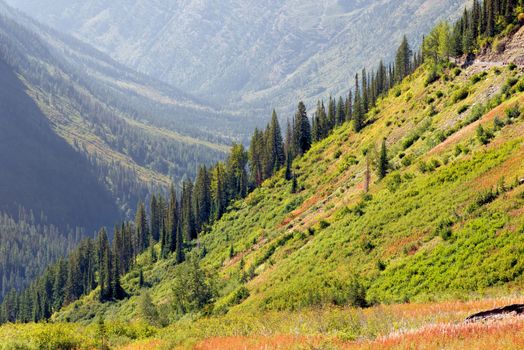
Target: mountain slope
pixel 138 134
pixel 444 223
pixel 246 53
pixel 41 171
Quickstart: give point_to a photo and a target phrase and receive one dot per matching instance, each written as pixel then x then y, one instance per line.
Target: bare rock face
pixel 507 51
pixel 238 53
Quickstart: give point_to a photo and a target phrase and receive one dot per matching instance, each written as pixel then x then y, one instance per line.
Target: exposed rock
pixel 510 310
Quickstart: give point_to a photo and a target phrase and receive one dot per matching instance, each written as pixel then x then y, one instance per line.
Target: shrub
pixel 397 92
pixel 462 109
pixel 461 95
pixel 478 77
pixel 483 135
pixel 444 229
pixel 520 17
pixel 432 77
pixel 512 66
pixel 483 198
pixel 393 182
pixel 323 224
pixel 476 113
pixel 497 124
pixel 513 111
pixel 439 94
pixel 357 293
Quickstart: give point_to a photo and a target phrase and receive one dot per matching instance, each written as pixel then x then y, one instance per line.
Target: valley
pixel 381 218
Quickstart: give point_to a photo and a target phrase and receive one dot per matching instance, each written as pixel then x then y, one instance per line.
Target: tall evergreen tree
pixel 341 113
pixel 302 132
pixel 141 229
pixel 275 144
pixel 202 198
pixel 105 275
pixel 188 221
pixel 155 218
pixel 358 113
pixel 402 60
pixel 383 162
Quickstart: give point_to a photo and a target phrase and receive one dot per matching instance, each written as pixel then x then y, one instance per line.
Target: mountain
pixel 41 170
pixel 136 133
pixel 443 222
pixel 247 54
pixel 391 221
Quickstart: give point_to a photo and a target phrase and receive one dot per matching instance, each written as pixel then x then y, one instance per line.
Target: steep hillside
pixel 444 223
pixel 42 172
pixel 246 53
pixel 135 134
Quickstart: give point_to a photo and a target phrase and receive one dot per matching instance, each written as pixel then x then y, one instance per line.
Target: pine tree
pixel 236 173
pixel 141 226
pixel 349 106
pixel 383 162
pixel 218 191
pixel 288 174
pixel 105 275
pixel 402 60
pixel 358 113
pixel 155 218
pixel 302 132
pixel 256 157
pixel 331 116
pixel 341 114
pixel 188 222
pixel 365 94
pixel 276 145
pixel 202 198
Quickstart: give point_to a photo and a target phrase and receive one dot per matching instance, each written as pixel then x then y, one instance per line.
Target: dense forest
pixel 175 222
pixel 27 247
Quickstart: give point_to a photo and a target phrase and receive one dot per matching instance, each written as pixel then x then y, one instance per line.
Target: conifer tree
pixel 288 174
pixel 188 222
pixel 302 132
pixel 402 60
pixel 349 106
pixel 104 266
pixel 218 191
pixel 358 113
pixel 236 173
pixel 141 229
pixel 202 198
pixel 383 162
pixel 341 114
pixel 256 157
pixel 155 218
pixel 276 145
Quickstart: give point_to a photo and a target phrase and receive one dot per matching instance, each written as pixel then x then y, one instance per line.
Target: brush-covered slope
pixel 246 53
pixel 446 220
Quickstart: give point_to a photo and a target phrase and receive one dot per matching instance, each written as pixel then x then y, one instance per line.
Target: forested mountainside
pixel 408 190
pixel 41 171
pixel 28 246
pixel 125 127
pixel 83 139
pixel 247 54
